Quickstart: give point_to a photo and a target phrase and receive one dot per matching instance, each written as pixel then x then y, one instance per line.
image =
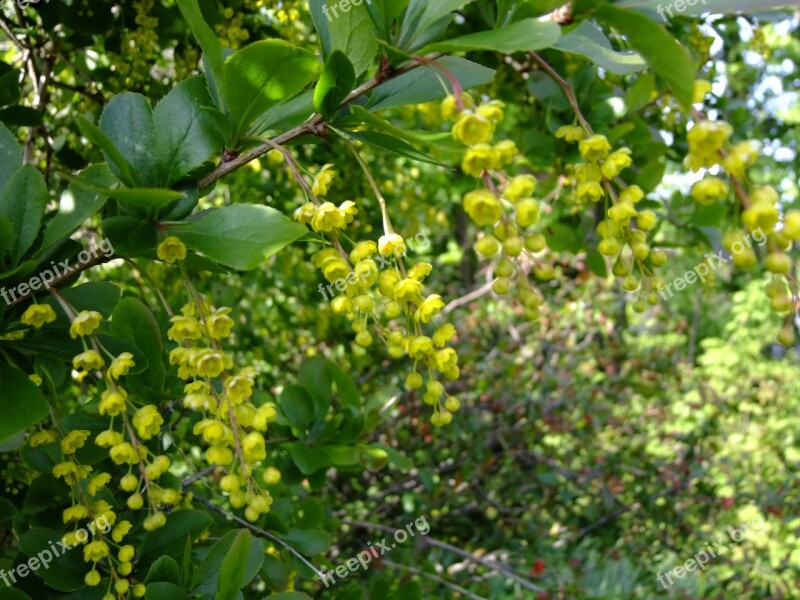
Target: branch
pixel 573 101
pixel 312 126
pixel 455 550
pixel 259 531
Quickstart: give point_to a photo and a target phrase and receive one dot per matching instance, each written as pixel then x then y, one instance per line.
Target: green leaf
pixel 23 404
pixel 523 36
pixel 298 406
pixel 423 83
pixel 131 236
pixel 426 20
pixel 668 59
pixel 309 460
pixel 698 8
pixel 212 48
pixel 21 115
pixel 210 569
pixel 101 296
pixel 385 141
pixel 23 202
pixel 287 596
pixel 10 156
pixel 76 205
pixel 118 163
pixel 55 346
pixel 163 590
pixel 353 33
pixel 170 538
pixel 309 542
pixel 260 76
pixel 233 570
pixel 9 87
pixel 127 120
pixel 589 41
pixel 164 569
pixel 187 135
pixel 337 81
pixel 640 93
pixel 596 263
pixel 240 236
pixel 132 320
pixel 148 199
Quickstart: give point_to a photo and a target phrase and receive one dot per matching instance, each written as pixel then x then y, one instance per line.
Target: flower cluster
pixel 508 212
pixel 231 425
pixel 382 295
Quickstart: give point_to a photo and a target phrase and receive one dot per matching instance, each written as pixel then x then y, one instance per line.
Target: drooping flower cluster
pixel 374 289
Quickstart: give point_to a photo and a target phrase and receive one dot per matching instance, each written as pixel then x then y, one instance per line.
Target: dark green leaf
pixel 164 569
pixel 10 156
pixel 298 407
pixel 233 569
pixel 353 33
pixel 385 141
pixel 589 41
pixel 522 36
pixel 170 538
pixel 23 404
pixel 23 202
pixel 127 120
pixel 308 541
pixel 668 59
pixel 133 321
pixel 241 236
pixel 118 163
pixel 337 81
pixel 307 459
pixel 164 591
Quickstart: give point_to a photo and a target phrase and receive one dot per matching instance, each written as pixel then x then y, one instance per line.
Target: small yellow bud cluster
pixel 232 425
pixel 510 213
pixel 232 31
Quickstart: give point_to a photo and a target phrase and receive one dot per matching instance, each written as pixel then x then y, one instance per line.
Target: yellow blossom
pixel 521 186
pixel 391 244
pixel 86 323
pixel 74 440
pixel 571 133
pixel 40 438
pixel 95 551
pixel 219 324
pixel 594 147
pixel 121 365
pixel 429 308
pixel 479 158
pixel 323 180
pixel 37 315
pixel 483 207
pixel 147 421
pixel 471 129
pixel 709 190
pixel 97 483
pixel 75 513
pixel 184 328
pixel 171 250
pixel 112 402
pixel 88 361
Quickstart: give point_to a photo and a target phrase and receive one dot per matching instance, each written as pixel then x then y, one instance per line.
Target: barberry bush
pixel 251 253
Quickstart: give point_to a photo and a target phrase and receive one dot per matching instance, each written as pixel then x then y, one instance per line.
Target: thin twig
pixel 432 577
pixel 259 531
pixel 573 101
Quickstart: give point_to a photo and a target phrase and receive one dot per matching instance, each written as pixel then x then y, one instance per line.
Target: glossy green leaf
pixel 170 538
pixel 336 82
pixel 163 590
pixel 209 571
pixel 233 569
pixel 298 406
pixel 164 569
pixel 309 460
pixel 353 33
pixel 23 202
pixel 100 296
pixel 309 542
pixel 10 156
pixel 706 6
pixel 23 404
pixel 589 41
pixel 212 48
pixel 288 596
pixel 118 163
pixel 424 20
pixel 423 83
pixel 668 59
pixel 127 120
pixel 522 36
pixel 132 320
pixel 260 76
pixel 241 236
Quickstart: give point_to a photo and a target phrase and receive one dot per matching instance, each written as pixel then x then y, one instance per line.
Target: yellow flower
pixel 239 388
pixel 420 270
pixel 706 139
pixel 323 180
pixel 95 551
pixel 348 210
pixel 521 186
pixel 492 110
pixel 120 531
pixel 483 207
pixel 219 455
pixel 471 129
pixel 443 335
pixel 407 290
pixel 585 172
pixel 363 250
pixel 184 328
pixel 527 212
pixel 760 215
pixel 147 421
pixel 594 148
pixel 265 414
pixel 75 513
pixel 219 324
pixel 35 379
pixel 171 250
pixel 419 347
pixel 709 190
pixel 92 578
pixel 305 213
pixel 616 162
pixel 741 156
pixel 97 483
pixel 212 431
pixel 121 365
pixel 632 194
pixel 126 553
pixel 253 447
pixel 40 438
pixel 701 88
pixel 445 359
pixel 212 363
pixel 328 218
pixel 86 323
pixel 571 133
pixel 429 308
pixel 37 315
pixel 450 110
pixel 70 472
pixel 88 361
pixel 155 521
pixel 590 190
pixel 391 244
pixel 621 213
pixel 479 158
pixel 124 454
pixel 112 402
pixel 506 151
pixel 74 440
